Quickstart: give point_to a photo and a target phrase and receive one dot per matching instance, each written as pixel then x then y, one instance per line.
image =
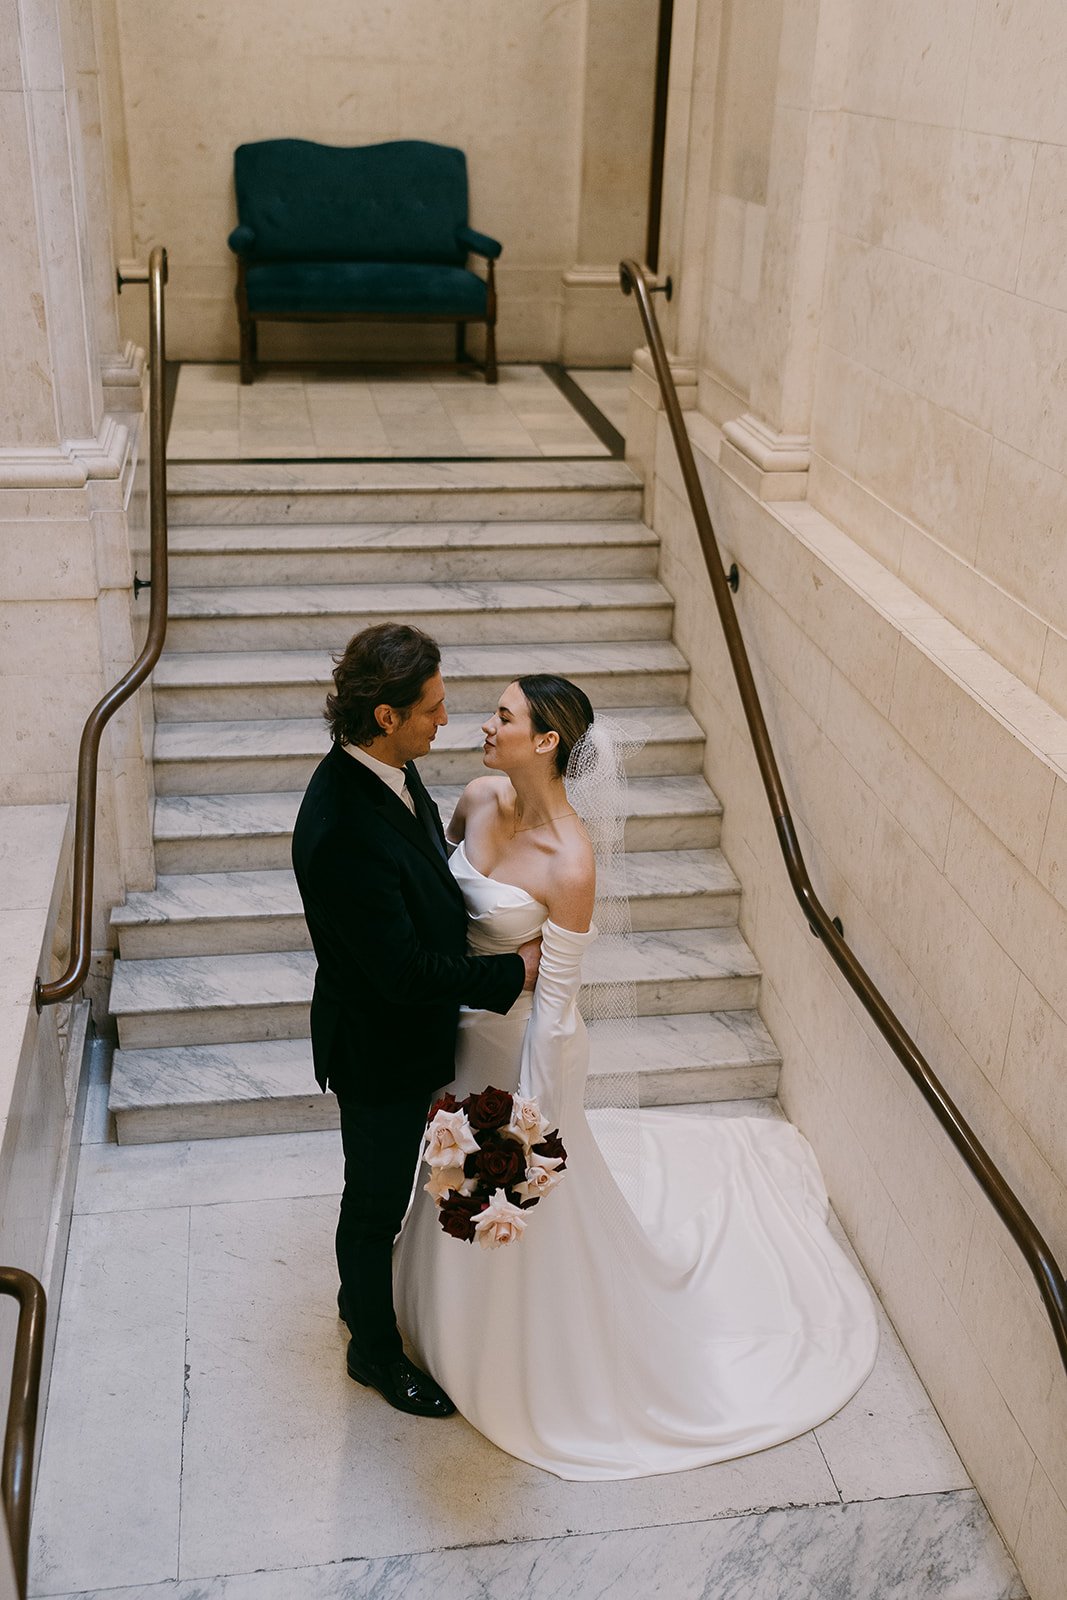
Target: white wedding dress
pixel 721 1319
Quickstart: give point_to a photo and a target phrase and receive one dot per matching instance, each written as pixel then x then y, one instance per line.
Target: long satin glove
pixel 554 1020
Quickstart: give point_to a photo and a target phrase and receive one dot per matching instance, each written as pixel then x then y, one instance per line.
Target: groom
pixel 389 928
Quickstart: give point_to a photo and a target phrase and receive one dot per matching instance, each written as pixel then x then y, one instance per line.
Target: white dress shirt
pixel 395 777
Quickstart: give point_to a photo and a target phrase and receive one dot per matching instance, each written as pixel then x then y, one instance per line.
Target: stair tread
pixel 182 896
pixel 281 1068
pixel 394 477
pixel 265 667
pixel 202 983
pixel 196 816
pixel 274 538
pixel 473 595
pixel 308 736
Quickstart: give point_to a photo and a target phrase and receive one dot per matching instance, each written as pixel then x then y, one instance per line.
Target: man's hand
pixel 531 960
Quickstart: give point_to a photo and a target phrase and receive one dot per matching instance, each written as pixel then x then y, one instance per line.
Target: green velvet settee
pixel 377 232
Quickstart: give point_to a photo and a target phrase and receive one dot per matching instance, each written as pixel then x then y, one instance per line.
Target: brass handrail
pixel 16 1476
pixel 81 911
pixel 994 1185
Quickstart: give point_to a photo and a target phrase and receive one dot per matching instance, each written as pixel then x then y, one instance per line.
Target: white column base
pixel 771 466
pixel 123 375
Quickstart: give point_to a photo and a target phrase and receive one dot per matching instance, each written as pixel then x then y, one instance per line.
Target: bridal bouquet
pixel 491 1158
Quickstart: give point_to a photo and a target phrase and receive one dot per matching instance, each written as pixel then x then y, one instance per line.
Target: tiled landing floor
pixel 309 412
pixel 204 1443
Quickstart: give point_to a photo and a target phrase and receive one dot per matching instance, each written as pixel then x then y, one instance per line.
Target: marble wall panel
pixel 979 1420
pixel 945 279
pixel 927 460
pixel 906 59
pixel 56 558
pixel 991 771
pixel 1043 269
pixel 1021 543
pixel 932 827
pixel 1043 1535
pixel 1015 70
pixel 29 399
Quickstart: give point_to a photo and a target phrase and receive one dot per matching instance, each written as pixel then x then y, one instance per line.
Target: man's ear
pixel 386 718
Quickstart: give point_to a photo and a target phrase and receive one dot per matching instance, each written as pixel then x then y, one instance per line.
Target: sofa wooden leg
pixel 461 344
pixel 248 350
pixel 490 353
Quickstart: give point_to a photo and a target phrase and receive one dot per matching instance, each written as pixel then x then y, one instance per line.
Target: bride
pixel 677 1298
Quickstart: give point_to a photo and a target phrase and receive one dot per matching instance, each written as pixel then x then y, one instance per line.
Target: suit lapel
pixel 393 810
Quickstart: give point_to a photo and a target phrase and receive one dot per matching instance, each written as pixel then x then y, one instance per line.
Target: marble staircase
pixel 514 567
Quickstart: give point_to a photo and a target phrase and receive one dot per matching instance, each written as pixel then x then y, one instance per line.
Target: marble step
pixel 234 757
pixel 225 999
pixel 238 912
pixel 253 832
pixel 258 492
pixel 224 685
pixel 398 552
pixel 324 616
pixel 218 1091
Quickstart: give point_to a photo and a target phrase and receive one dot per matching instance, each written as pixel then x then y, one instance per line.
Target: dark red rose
pixel 490 1109
pixel 501 1164
pixel 457 1213
pixel 447 1102
pixel 552 1145
pixel 524 1205
pixel 470 1164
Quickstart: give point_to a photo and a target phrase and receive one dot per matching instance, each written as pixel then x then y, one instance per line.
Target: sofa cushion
pixel 332 287
pixel 401 201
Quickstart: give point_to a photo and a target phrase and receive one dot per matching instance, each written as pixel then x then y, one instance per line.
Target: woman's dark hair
pixel 557 706
pixel 387 665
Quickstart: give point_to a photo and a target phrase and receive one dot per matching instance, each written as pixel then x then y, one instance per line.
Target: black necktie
pixel 422 809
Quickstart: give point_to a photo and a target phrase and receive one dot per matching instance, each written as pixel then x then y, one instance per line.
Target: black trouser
pixel 381 1148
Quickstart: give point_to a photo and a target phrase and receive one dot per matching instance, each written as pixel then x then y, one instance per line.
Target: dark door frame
pixel 659 133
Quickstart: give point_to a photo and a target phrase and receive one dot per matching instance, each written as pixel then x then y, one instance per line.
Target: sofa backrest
pixel 401 201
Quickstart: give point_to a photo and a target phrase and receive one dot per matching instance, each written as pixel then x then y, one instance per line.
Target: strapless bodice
pixel 501 916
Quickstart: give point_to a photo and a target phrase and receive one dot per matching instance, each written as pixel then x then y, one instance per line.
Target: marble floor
pixel 204 1443
pixel 310 413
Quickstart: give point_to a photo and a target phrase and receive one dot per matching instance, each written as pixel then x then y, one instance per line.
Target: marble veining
pixel 285 736
pixel 182 896
pixel 208 1074
pixel 417 536
pixel 675 1043
pixel 411 599
pixel 194 816
pixel 938 1547
pixel 183 816
pixel 499 663
pixel 284 978
pixel 272 477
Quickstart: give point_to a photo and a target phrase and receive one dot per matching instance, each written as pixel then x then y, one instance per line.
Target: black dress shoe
pixel 404 1386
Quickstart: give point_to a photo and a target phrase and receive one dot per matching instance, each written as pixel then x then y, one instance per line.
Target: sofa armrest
pixel 242 239
pixel 479 244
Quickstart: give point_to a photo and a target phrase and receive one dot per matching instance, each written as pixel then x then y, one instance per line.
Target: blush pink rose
pixel 500 1223
pixel 526 1122
pixel 450 1140
pixel 445 1181
pixel 541 1176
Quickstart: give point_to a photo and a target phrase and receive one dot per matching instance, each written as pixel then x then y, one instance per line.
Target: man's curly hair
pixel 386 665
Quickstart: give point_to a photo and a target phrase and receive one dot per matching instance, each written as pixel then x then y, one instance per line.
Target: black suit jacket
pixel 389 928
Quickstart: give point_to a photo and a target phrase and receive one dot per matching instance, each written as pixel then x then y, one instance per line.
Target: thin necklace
pixel 530 826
